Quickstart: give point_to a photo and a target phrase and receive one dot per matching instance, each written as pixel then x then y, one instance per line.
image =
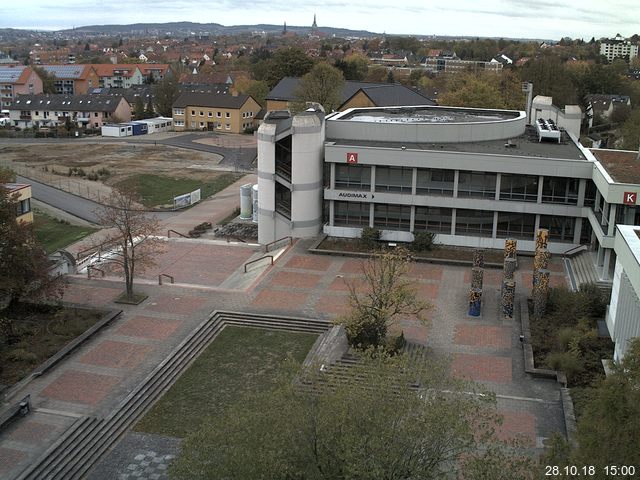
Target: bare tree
pixel 131 234
pixel 380 298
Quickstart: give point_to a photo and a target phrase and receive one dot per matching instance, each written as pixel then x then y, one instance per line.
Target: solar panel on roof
pixel 10 74
pixel 64 71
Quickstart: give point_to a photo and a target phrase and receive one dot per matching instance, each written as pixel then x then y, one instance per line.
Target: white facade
pixel 623 313
pixel 570 118
pixel 119 130
pixel 618 48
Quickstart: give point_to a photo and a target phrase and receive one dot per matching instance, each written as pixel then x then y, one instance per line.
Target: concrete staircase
pixel 582 270
pixel 89 438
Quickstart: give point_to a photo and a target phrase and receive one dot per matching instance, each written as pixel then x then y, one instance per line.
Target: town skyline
pixel 508 19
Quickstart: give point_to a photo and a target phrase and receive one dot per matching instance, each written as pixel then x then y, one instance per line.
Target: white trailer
pixel 118 130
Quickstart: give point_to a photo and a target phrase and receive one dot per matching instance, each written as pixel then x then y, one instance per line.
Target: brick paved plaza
pixel 95 378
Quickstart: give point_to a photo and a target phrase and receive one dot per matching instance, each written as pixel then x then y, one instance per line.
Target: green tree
pixel 551 78
pixel 149 112
pixel 138 108
pixel 323 84
pixel 257 89
pixel 472 91
pixel 48 80
pixel 165 92
pixel 608 427
pixel 285 62
pixel 380 298
pixel 367 426
pixel 354 67
pixel 630 131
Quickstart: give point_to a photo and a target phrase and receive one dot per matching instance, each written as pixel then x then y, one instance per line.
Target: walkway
pixel 99 375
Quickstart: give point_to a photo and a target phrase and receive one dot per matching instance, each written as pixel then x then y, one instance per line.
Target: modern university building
pixel 474 177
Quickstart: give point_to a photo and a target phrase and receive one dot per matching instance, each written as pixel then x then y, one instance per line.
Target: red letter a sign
pixel 352 157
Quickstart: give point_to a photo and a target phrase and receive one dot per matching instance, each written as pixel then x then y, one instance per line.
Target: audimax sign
pixel 354 195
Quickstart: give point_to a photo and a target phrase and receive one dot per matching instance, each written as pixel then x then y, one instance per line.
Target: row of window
pixel 470 184
pixel 180 111
pixel 477 223
pixel 180 123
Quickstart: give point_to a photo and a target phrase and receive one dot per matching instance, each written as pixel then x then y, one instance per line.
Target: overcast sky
pixel 549 19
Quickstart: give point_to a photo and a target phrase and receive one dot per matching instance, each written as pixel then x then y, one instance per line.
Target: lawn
pixel 39 331
pixel 158 191
pixel 239 361
pixel 55 234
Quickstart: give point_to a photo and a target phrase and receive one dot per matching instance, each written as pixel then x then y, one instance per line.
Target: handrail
pixel 290 238
pixel 175 231
pixel 164 275
pixel 256 260
pixel 238 239
pixel 573 250
pixel 91 267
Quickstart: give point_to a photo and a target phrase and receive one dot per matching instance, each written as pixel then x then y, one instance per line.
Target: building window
pixel 516 225
pixel 433 219
pixel 590 194
pixel 351 214
pixel 477 223
pixel 561 229
pixel 179 111
pixel 179 123
pixel 435 182
pixel 477 184
pixel 560 190
pixel 357 177
pixel 519 187
pixel 23 206
pixel 392 217
pixel 95 114
pixel 227 115
pixel 201 113
pixel 394 179
pixel 218 114
pixel 201 124
pixel 193 113
pixel 193 124
pixel 227 126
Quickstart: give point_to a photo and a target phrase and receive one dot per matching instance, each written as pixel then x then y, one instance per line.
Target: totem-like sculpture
pixel 478 258
pixel 540 278
pixel 507 292
pixel 477 275
pixel 475 302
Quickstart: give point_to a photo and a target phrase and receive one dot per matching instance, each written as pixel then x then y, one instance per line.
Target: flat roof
pixel 623 166
pixel 524 145
pixel 426 114
pixel 14 187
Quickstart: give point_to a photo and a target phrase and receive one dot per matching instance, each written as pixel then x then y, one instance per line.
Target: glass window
pixel 227 115
pixel 560 228
pixel 394 179
pixel 516 225
pixel 477 184
pixel 351 214
pixel 474 222
pixel 353 176
pixel 590 194
pixel 435 181
pixel 519 187
pixel 433 219
pixel 392 217
pixel 23 206
pixel 560 190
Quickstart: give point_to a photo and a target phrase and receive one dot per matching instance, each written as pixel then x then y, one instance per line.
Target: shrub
pixel 569 363
pixel 22 355
pixel 92 176
pixel 370 237
pixel 104 172
pixel 422 241
pixel 394 344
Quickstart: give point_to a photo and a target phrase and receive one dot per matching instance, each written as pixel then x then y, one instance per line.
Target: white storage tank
pixel 246 203
pixel 254 201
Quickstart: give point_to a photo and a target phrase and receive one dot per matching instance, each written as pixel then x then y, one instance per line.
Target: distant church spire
pixel 284 30
pixel 314 25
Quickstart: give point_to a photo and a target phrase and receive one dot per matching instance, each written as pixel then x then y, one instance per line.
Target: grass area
pixel 55 234
pixel 158 190
pixel 239 361
pixel 38 333
pixel 438 251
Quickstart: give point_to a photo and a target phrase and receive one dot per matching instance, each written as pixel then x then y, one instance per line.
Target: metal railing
pixel 266 247
pixel 175 231
pixel 90 268
pixel 165 275
pixel 257 260
pixel 574 250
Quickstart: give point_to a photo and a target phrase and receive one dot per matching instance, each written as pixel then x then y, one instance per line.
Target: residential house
pixel 604 105
pixel 118 75
pixel 618 47
pixel 354 94
pixel 82 111
pixel 449 62
pixel 214 112
pixel 154 72
pixel 73 79
pixel 503 59
pixel 17 80
pixel 22 193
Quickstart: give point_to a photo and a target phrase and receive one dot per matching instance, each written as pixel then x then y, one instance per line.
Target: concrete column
pixel 604 275
pixel 332 181
pixel 414 183
pixel 412 219
pixel 332 210
pixel 613 208
pixel 600 256
pixel 582 188
pixel 498 180
pixel 373 179
pixel 540 185
pixel 456 177
pixel 371 214
pixel 536 226
pixel 494 230
pixel 605 213
pixel 453 218
pixel 577 230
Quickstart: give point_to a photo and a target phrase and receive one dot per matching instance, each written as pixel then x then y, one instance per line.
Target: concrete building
pixel 22 194
pixel 623 312
pixel 471 176
pixel 618 47
pixel 569 118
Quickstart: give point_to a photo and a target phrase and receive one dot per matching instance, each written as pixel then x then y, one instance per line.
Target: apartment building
pixel 73 79
pixel 17 80
pixel 22 193
pixel 214 112
pixel 618 47
pixel 82 111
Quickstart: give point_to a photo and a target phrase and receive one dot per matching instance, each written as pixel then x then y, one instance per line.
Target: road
pixel 73 204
